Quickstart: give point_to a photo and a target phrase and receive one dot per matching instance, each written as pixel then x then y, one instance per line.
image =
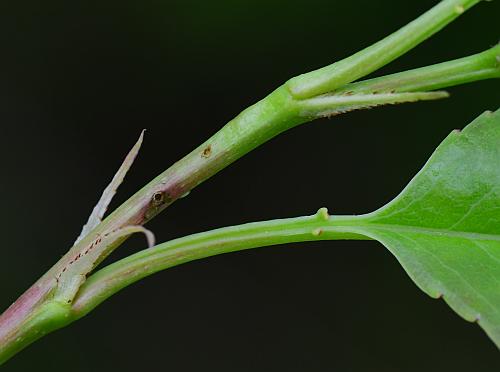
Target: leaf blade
pixel 444 227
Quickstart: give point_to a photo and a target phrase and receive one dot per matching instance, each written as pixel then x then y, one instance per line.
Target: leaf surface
pixel 444 227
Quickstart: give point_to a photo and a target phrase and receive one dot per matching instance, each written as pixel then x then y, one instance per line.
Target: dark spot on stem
pixel 207 151
pixel 158 199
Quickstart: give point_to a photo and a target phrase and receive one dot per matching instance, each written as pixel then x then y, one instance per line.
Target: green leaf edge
pixel 480 127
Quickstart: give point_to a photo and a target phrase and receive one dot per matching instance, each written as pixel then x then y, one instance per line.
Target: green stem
pixel 47 304
pixel 254 126
pixel 269 117
pixel 480 66
pixel 366 61
pixel 264 120
pixel 407 86
pixel 118 275
pixel 41 320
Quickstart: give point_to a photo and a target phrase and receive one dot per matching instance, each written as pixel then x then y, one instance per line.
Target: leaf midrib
pixel 426 230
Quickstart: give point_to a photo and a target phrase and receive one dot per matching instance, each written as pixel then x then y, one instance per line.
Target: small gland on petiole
pixel 322 214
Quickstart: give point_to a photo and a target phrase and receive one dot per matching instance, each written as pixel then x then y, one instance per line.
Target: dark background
pixel 80 79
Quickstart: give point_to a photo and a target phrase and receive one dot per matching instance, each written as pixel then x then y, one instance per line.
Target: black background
pixel 80 79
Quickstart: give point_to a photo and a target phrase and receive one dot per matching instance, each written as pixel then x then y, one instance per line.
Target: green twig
pixel 480 66
pixel 370 59
pixel 48 304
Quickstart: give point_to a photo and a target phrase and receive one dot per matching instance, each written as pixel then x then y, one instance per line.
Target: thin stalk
pixel 480 66
pixel 120 274
pixel 370 59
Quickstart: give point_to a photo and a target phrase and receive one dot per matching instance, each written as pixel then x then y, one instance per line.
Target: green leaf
pixel 444 228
